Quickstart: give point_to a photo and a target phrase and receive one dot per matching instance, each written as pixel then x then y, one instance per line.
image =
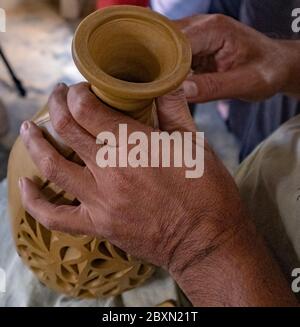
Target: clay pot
pixel 130 55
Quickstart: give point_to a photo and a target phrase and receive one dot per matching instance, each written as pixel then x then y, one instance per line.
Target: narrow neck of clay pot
pixel 142 110
pixel 131 56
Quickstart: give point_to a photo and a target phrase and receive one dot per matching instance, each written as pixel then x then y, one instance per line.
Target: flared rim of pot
pixel 101 80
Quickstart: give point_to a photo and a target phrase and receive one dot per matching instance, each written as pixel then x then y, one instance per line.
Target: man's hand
pixel 196 228
pixel 152 213
pixel 233 61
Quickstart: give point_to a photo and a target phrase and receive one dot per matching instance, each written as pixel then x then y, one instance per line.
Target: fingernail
pixel 25 126
pixel 190 89
pixel 20 182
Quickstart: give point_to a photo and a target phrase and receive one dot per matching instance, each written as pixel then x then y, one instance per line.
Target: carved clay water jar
pixel 130 55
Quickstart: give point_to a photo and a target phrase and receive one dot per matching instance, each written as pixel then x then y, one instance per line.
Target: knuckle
pixel 176 97
pixel 218 19
pixel 48 167
pixel 210 86
pixel 56 100
pixel 49 223
pixel 81 105
pixel 175 101
pixel 121 183
pixel 53 99
pixel 61 122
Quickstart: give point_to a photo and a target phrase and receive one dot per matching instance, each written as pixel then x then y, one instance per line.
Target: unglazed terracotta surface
pixel 130 55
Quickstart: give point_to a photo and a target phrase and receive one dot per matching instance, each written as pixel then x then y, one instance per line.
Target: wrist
pixel 204 278
pixel 201 243
pixel 238 272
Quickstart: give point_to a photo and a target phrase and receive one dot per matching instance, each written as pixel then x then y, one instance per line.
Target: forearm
pixel 291 52
pixel 239 273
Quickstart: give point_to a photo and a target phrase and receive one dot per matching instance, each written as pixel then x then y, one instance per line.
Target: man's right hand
pixel 233 61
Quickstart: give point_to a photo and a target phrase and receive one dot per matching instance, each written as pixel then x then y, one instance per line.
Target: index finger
pixel 184 23
pixel 78 139
pixel 94 116
pixel 205 32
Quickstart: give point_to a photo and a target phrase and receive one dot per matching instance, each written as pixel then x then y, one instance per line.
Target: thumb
pixel 173 112
pixel 215 86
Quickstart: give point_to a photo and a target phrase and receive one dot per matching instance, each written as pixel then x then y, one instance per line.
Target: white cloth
pixel 269 182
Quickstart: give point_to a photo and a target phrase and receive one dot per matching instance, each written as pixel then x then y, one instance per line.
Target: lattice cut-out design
pixel 80 266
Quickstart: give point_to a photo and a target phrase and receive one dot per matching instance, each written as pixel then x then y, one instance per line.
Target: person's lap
pixel 268 183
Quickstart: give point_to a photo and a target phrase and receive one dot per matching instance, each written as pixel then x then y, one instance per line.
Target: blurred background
pixel 36 55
